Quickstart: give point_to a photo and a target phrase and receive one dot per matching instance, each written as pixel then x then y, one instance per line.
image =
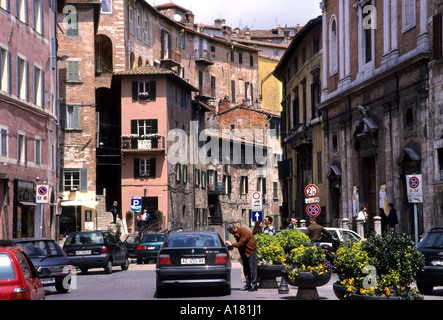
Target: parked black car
pixel 193 259
pixel 131 242
pixel 51 263
pixel 431 246
pixel 96 249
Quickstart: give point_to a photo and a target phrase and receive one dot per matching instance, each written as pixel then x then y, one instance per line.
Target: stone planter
pixel 307 283
pixel 339 291
pixel 267 276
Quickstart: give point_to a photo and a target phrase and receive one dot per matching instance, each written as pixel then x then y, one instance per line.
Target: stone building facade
pixel 299 70
pixel 375 107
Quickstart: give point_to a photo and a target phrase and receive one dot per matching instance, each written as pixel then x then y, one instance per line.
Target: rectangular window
pixel 139 26
pixel 4 143
pixel 232 56
pixel 144 127
pixel 243 185
pixel 261 185
pixel 251 60
pixel 240 58
pixel 319 167
pixel 106 6
pixel 144 91
pixel 21 148
pixel 70 117
pixel 75 179
pixel 38 16
pixel 71 24
pixel 275 189
pixel 227 184
pixel 145 31
pixel 147 168
pixel 73 71
pixel 232 91
pixel 22 78
pixel 38 151
pixel 213 86
pixel 4 69
pixel 131 20
pixel 408 15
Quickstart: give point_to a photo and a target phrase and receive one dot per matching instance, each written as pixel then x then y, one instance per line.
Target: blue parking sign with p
pixel 136 204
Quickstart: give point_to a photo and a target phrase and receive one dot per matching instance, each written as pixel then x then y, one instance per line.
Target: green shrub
pixel 350 259
pixel 394 253
pixel 291 239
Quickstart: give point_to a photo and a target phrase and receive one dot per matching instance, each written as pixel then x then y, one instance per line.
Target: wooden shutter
pixel 437 36
pixel 133 126
pixel 9 72
pixel 134 91
pixel 27 80
pixel 83 179
pixel 153 168
pixel 136 168
pixel 152 90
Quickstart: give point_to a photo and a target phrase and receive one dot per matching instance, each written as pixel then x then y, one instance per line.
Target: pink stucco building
pixel 154 101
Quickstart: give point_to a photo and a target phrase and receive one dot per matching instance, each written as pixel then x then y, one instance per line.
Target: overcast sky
pixel 256 14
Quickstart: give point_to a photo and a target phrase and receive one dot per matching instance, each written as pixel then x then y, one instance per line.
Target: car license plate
pixel 437 262
pixel 47 280
pixel 151 248
pixel 83 252
pixel 193 261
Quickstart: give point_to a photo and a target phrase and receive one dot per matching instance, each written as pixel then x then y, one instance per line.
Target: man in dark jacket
pixel 248 252
pixel 315 231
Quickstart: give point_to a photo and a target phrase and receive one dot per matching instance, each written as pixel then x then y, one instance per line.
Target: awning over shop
pixel 27 203
pixel 79 203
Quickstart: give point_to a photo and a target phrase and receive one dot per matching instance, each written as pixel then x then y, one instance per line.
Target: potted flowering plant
pixel 307 268
pixel 378 268
pixel 270 260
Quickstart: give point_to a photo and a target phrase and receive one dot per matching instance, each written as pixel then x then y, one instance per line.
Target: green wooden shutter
pixel 76 110
pixel 134 91
pixel 133 126
pixel 152 90
pixel 153 168
pixel 83 179
pixel 136 168
pixel 63 110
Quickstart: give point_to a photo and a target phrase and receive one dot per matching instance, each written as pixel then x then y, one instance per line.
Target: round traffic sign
pixel 42 190
pixel 311 191
pixel 414 182
pixel 313 210
pixel 256 195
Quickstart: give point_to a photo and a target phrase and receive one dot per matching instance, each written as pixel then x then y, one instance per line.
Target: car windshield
pixel 40 248
pixel 432 240
pixel 85 238
pixel 6 269
pixel 193 240
pixel 153 238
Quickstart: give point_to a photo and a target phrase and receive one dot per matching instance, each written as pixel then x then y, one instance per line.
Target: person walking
pixel 392 216
pixel 247 247
pixel 114 211
pixel 315 231
pixel 269 229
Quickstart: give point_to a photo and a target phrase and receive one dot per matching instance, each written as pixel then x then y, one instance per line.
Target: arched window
pixel 333 53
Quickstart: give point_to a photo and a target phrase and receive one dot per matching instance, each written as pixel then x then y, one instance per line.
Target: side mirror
pixel 230 248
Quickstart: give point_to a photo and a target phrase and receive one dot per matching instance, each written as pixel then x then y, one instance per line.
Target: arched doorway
pixel 103 55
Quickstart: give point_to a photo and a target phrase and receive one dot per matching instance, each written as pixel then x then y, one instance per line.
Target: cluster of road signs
pixel 257 206
pixel 42 194
pixel 312 208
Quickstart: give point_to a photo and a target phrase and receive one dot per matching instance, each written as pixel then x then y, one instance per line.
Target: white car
pixel 337 233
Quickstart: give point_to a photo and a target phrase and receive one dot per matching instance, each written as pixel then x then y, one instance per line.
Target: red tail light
pixel 221 258
pixel 104 250
pixel 141 248
pixel 19 293
pixel 164 259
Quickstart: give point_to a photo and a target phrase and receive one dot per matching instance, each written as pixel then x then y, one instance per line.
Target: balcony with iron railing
pixel 150 142
pixel 204 57
pixel 170 58
pixel 217 189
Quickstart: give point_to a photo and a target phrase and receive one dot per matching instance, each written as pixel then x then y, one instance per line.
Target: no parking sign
pixel 42 193
pixel 414 188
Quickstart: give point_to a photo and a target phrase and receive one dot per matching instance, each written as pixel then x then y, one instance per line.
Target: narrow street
pixel 138 283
